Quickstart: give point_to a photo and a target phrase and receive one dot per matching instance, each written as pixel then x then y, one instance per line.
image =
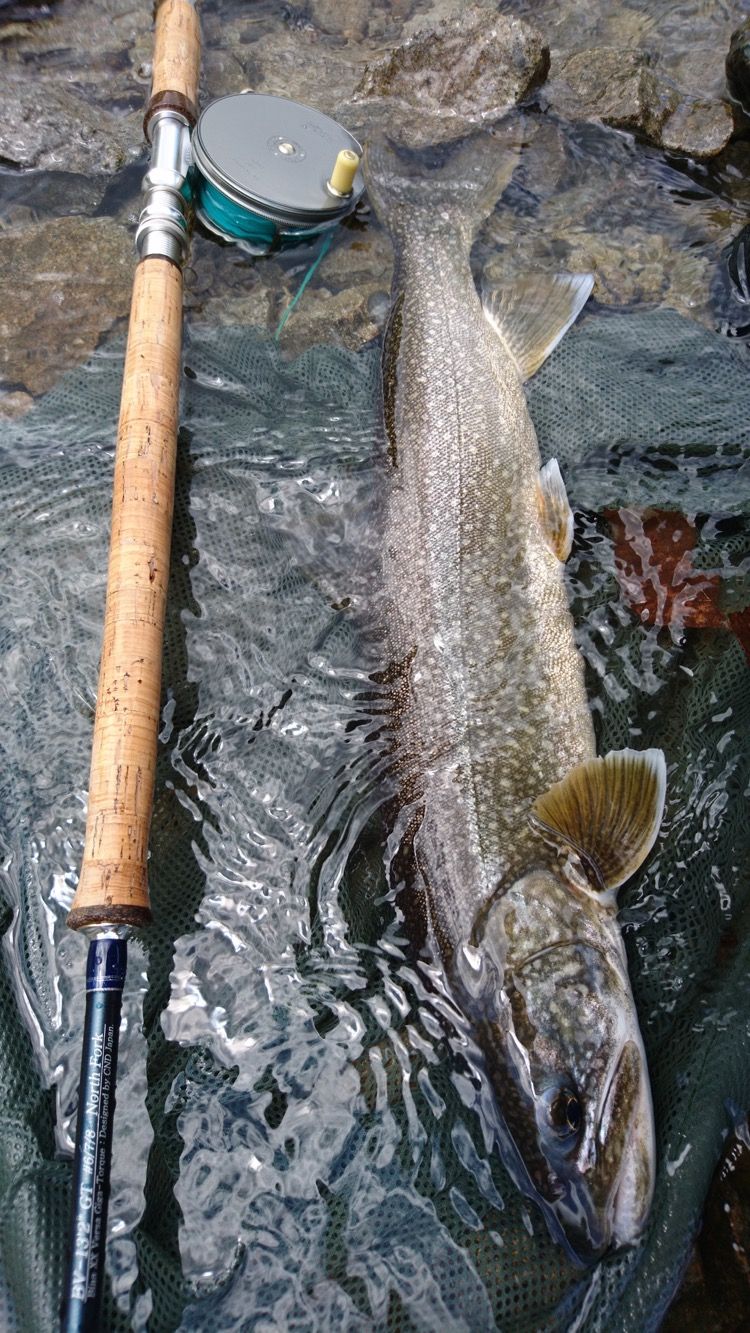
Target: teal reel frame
pixel 268 172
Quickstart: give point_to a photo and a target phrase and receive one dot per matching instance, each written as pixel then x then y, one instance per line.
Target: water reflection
pixel 303 1134
pixel 319 1132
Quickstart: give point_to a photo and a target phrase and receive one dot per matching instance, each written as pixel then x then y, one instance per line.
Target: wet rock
pixel 343 318
pixel 348 20
pixel 227 287
pixel 295 62
pixel 343 301
pixel 470 70
pixel 357 256
pixel 688 285
pixel 340 305
pixel 224 286
pixel 71 98
pixel 618 87
pixel 33 196
pixel 630 266
pixel 25 11
pixel 62 284
pixel 8 31
pixel 56 128
pixel 626 90
pixel 698 128
pixel 254 308
pixel 738 65
pixel 15 403
pixel 697 71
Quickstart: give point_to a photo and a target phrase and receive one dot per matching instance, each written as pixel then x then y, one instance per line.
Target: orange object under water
pixel 655 570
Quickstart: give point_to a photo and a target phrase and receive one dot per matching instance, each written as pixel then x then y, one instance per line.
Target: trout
pixel 521 835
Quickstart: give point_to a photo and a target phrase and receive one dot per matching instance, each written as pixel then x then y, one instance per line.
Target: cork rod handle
pixel 113 885
pixel 177 52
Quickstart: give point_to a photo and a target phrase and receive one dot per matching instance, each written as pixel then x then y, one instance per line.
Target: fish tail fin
pixel 442 189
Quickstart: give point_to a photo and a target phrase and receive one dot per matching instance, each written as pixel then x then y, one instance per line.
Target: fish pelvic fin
pixel 554 510
pixel 533 314
pixel 608 812
pixel 441 190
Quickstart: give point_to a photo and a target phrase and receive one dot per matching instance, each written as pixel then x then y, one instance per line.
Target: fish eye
pixel 566 1112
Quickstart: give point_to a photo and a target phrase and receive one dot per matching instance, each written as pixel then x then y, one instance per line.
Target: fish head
pixel 566 1059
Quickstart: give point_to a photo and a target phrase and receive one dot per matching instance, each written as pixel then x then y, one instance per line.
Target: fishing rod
pixel 112 898
pixel 269 173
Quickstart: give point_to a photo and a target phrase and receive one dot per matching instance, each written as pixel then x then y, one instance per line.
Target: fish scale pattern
pixel 316 1145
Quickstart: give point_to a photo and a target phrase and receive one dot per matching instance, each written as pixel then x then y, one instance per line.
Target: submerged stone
pixel 627 90
pixel 699 127
pixel 63 283
pixel 738 64
pixel 74 88
pixel 51 126
pixel 349 20
pixel 470 70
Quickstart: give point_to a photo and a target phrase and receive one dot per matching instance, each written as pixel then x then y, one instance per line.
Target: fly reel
pixel 270 172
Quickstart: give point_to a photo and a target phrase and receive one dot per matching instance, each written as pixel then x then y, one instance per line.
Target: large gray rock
pixel 469 70
pixel 63 283
pixel 52 125
pixel 73 89
pixel 627 90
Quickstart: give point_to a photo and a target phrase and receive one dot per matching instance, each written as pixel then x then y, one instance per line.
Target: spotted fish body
pixel 496 713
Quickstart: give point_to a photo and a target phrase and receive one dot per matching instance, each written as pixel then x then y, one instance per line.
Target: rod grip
pixel 177 53
pixel 113 884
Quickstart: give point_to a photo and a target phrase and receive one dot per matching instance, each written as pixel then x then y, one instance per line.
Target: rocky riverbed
pixel 637 169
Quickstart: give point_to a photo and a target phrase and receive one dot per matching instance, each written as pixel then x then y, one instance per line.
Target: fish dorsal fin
pixel 532 315
pixel 554 510
pixel 608 812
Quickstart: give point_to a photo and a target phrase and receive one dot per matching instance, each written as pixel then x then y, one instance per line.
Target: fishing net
pixel 300 1140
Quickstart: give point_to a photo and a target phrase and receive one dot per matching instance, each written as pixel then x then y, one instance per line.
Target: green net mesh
pixel 300 1141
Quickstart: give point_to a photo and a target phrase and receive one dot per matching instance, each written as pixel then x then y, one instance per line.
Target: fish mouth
pixel 634 1188
pixel 594 1190
pixel 598 1201
pixel 607 1201
pixel 604 1191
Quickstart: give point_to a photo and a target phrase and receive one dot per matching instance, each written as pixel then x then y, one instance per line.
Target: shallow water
pixel 302 1137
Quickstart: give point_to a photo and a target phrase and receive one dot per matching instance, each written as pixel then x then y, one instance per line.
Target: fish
pixel 520 834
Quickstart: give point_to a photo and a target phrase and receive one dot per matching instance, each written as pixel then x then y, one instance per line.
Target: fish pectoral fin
pixel 531 316
pixel 554 510
pixel 608 812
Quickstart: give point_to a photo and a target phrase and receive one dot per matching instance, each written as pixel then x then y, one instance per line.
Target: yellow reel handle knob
pixel 344 171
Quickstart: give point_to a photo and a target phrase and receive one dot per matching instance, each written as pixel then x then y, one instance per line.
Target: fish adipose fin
pixel 608 812
pixel 532 315
pixel 554 510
